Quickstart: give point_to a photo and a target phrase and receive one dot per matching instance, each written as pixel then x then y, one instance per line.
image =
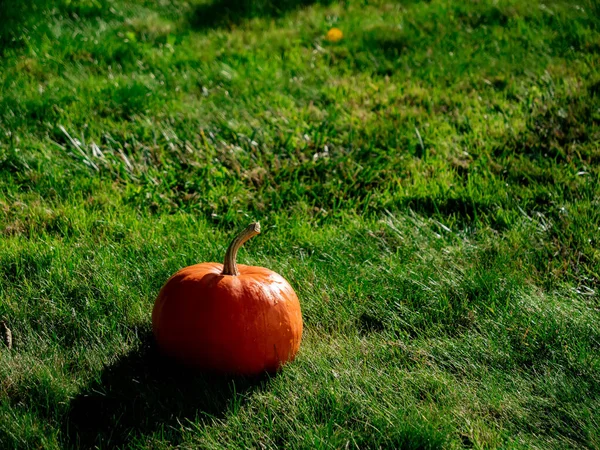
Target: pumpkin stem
pixel 230 267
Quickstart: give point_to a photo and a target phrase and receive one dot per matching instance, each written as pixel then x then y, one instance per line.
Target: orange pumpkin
pixel 228 318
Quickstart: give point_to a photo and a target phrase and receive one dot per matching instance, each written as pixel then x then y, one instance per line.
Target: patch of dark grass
pixel 558 129
pixel 143 391
pixel 219 13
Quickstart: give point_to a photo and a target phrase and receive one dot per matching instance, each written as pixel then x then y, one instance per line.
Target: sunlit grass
pixel 428 184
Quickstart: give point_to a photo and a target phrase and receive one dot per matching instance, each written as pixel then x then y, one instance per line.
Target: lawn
pixel 429 185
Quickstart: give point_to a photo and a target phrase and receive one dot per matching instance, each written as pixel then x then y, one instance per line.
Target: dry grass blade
pixel 6 335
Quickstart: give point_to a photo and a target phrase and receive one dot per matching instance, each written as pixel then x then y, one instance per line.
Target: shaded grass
pixel 429 186
pixel 141 392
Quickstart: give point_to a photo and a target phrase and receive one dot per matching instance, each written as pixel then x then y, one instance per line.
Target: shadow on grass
pixel 464 209
pixel 143 393
pixel 222 13
pixel 13 14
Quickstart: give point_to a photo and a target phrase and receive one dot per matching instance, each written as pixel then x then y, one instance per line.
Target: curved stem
pixel 230 267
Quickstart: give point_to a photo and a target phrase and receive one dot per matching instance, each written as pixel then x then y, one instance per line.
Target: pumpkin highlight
pixel 228 318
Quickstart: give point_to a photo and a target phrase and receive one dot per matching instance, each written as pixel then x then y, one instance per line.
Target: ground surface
pixel 429 185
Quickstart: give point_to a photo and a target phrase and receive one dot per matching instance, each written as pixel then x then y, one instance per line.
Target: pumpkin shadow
pixel 143 393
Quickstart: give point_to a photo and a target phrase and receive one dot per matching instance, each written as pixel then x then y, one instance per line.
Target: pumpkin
pixel 228 318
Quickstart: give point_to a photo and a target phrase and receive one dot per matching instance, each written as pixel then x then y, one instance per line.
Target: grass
pixel 429 185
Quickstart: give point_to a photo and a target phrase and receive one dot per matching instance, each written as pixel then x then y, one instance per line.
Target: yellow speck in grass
pixel 334 35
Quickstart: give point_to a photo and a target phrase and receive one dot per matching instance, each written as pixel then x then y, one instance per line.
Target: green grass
pixel 430 186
